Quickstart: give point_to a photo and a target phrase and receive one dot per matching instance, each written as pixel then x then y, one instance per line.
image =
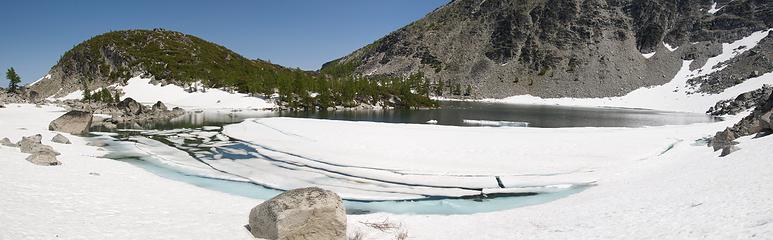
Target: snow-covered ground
pixel 675 95
pixel 688 193
pixel 95 198
pixel 642 191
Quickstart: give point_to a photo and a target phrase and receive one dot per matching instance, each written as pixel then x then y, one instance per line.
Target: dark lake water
pixel 465 114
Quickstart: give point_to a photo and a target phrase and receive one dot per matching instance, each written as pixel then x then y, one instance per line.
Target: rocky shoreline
pixel 127 111
pixel 743 102
pixel 757 123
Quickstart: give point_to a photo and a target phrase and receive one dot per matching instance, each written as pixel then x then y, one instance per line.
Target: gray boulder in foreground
pixel 59 138
pixel 72 122
pixel 305 213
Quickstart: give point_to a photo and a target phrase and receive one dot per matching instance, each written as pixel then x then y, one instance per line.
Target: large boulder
pixel 766 120
pixel 131 107
pixel 159 107
pixel 178 111
pixel 723 139
pixel 59 138
pixel 72 122
pixel 728 150
pixel 306 213
pixel 33 96
pixel 43 159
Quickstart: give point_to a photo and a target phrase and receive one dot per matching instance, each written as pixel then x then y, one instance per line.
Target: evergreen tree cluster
pixel 103 95
pixel 184 59
pixel 304 91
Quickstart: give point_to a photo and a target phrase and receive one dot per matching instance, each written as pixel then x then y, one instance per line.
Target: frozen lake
pixel 199 137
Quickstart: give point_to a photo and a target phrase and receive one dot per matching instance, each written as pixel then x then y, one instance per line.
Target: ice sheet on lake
pixel 494 123
pixel 366 160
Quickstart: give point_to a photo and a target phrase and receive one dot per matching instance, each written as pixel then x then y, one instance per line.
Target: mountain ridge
pixel 557 48
pixel 167 57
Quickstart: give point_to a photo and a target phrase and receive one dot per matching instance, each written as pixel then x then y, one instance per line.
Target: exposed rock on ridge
pixel 557 48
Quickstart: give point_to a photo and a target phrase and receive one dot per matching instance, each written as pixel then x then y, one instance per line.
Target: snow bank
pixel 141 90
pixel 675 95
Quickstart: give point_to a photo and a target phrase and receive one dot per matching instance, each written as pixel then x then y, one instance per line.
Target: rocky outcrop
pixel 39 154
pixel 758 122
pixel 6 97
pixel 59 138
pixel 73 122
pixel 563 48
pixel 127 111
pixel 133 112
pixel 743 102
pixel 130 107
pixel 750 64
pixel 306 213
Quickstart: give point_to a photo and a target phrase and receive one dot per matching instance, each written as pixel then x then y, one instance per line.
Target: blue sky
pixel 293 33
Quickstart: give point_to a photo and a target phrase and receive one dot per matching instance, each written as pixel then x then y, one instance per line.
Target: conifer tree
pixel 13 79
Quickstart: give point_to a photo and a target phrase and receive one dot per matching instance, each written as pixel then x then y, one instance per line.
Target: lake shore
pixel 666 196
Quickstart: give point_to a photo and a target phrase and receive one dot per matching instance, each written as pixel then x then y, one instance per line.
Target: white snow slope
pixel 141 90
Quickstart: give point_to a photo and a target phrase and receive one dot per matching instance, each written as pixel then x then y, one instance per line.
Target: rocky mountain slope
pixel 567 48
pixel 168 57
pixel 175 57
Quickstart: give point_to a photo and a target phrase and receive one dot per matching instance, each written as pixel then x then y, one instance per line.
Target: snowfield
pixel 686 192
pixel 143 91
